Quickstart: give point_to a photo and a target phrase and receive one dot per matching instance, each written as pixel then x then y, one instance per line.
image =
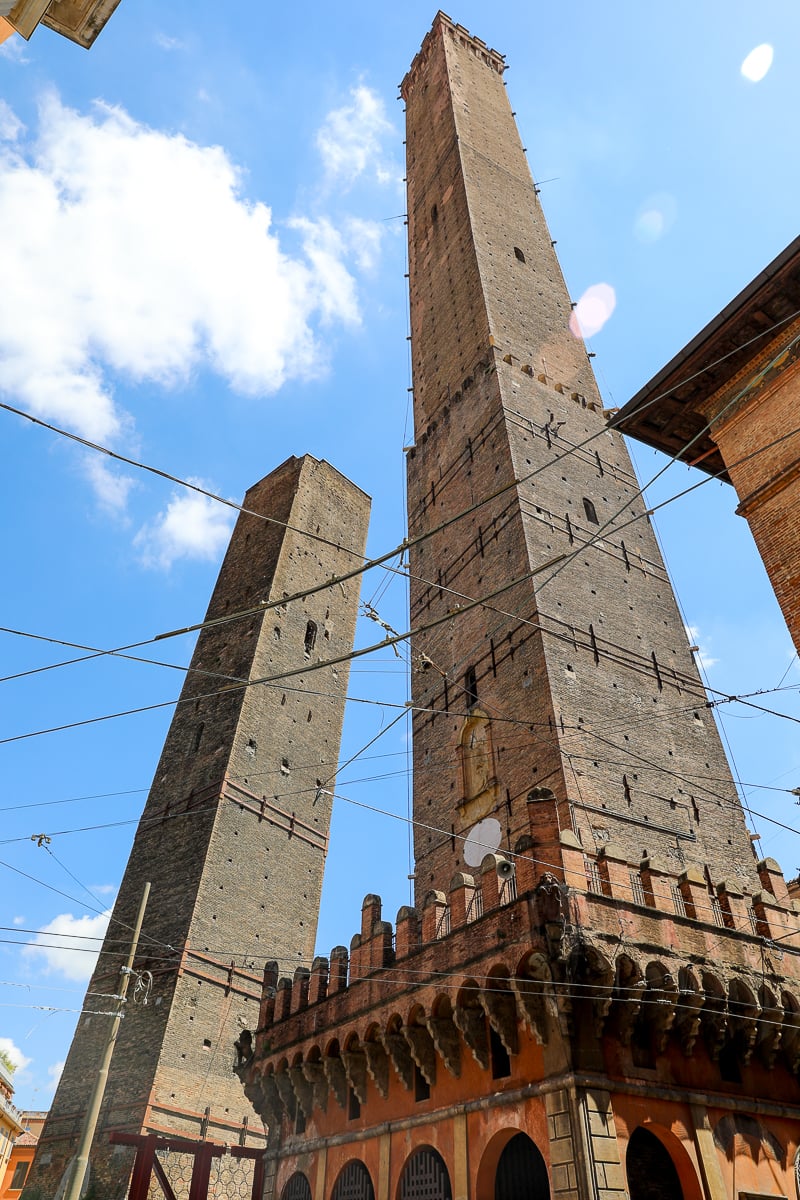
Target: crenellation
pixel 318 984
pixel 300 989
pixel 339 962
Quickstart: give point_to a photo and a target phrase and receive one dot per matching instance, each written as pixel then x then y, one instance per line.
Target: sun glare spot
pixel 758 62
pixel 655 218
pixel 592 310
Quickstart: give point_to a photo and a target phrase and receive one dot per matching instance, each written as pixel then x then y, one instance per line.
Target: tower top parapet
pixel 444 24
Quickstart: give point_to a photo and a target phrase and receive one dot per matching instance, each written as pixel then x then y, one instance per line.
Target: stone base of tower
pixel 549 1027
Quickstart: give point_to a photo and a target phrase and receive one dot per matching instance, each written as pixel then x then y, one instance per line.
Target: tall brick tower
pixel 234 833
pixel 596 995
pixel 574 679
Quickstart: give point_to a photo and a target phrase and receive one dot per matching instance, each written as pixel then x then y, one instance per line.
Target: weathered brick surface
pixel 234 832
pixel 757 436
pixel 584 672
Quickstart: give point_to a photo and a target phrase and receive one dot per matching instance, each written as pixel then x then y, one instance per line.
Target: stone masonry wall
pixel 234 832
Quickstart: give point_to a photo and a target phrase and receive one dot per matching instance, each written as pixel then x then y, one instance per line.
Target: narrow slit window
pixel 471 686
pixel 520 257
pixel 311 637
pixel 590 510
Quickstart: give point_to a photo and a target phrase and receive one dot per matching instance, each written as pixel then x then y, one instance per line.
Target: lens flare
pixel 758 62
pixel 592 310
pixel 655 218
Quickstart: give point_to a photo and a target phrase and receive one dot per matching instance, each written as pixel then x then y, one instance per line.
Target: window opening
pixel 311 637
pixel 590 510
pixel 500 1059
pixel 471 686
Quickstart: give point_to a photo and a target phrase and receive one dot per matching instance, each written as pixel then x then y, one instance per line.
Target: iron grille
pixel 475 906
pixel 297 1188
pixel 443 924
pixel 677 900
pixel 354 1183
pixel 594 882
pixel 425 1177
pixel 508 890
pixel 637 888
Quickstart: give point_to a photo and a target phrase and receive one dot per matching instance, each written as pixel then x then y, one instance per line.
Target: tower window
pixel 471 686
pixel 311 637
pixel 518 254
pixel 590 510
pixel 434 213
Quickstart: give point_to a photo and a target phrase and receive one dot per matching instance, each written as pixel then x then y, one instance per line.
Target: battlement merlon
pixel 443 24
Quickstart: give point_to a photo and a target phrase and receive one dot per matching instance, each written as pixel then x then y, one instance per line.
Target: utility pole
pixel 81 1162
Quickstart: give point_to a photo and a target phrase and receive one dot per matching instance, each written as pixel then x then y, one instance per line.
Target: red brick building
pixel 728 404
pixel 597 992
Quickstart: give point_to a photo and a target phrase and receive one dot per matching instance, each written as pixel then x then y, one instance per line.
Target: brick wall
pixel 583 673
pixel 234 832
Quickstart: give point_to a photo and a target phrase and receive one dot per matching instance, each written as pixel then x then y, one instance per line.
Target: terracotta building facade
pixel 234 832
pixel 728 402
pixel 596 994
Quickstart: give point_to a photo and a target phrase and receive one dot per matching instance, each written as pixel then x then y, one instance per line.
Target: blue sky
pixel 202 265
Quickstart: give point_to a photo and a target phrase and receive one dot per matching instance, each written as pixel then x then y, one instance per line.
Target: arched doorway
pixel 353 1183
pixel 425 1177
pixel 521 1172
pixel 297 1187
pixel 651 1172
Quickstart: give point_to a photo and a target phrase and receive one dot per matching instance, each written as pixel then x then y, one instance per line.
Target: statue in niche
pixel 477 764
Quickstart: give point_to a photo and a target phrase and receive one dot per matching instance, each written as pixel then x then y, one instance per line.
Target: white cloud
pixel 593 310
pixel 54 1075
pixel 111 488
pixel 14 49
pixel 165 42
pixel 702 657
pixel 364 241
pixel 351 140
pixel 758 62
pixel 10 125
pixel 7 1046
pixel 136 253
pixel 191 526
pixel 19 921
pixel 69 945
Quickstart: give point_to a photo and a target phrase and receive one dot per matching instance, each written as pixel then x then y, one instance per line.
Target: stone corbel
pixel 768 1038
pixel 500 1007
pixel 472 1023
pixel 714 1015
pixel 629 988
pixel 355 1065
pixel 659 1003
pixel 315 1075
pixel 534 994
pixel 447 1042
pixel 337 1079
pixel 399 1054
pixel 690 1004
pixel 423 1050
pixel 286 1092
pixel 378 1066
pixel 304 1093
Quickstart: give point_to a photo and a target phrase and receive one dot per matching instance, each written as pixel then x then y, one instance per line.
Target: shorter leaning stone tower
pixel 234 833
